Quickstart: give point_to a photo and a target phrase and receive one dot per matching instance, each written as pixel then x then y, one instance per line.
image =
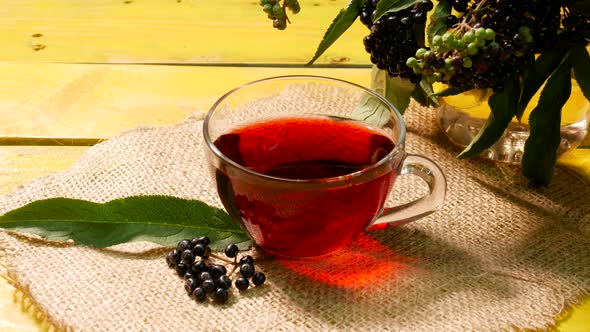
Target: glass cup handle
pixel 434 177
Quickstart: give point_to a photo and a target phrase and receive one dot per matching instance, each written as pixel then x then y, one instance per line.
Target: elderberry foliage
pixel 511 47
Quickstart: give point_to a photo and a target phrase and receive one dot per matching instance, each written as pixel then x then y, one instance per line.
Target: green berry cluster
pixel 277 11
pixel 455 53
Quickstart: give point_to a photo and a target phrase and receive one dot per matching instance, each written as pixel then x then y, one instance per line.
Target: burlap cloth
pixel 498 256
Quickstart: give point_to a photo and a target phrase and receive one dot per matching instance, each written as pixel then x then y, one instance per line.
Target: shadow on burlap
pixel 498 255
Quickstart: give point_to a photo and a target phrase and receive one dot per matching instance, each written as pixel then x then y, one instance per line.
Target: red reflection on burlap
pixel 364 262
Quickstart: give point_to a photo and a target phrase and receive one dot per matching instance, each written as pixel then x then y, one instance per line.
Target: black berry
pixel 189 274
pixel 188 257
pixel 231 250
pixel 258 278
pixel 199 294
pixel 190 284
pixel 224 282
pixel 217 271
pixel 247 260
pixel 199 267
pixel 242 283
pixel 221 295
pixel 247 270
pixel 171 259
pixel 451 20
pixel 181 269
pixel 183 245
pixel 206 276
pixel 208 286
pixel 201 240
pixel 199 250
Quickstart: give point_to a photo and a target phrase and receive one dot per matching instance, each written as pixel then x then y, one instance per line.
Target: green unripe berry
pixel 437 41
pixel 524 30
pixel 411 62
pixel 467 63
pixel 263 2
pixel 453 44
pixel 480 33
pixel 295 8
pixel 468 37
pixel 480 42
pixel 280 24
pixel 420 53
pixel 460 45
pixel 472 48
pixel 447 38
pixel 437 77
pixel 277 9
pixel 494 46
pixel 490 34
pixel 448 62
pixel 418 68
pixel 267 8
pixel 444 48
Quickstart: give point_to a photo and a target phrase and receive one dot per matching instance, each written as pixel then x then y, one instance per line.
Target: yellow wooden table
pixel 78 71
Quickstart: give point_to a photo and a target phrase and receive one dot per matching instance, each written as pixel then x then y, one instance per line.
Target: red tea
pixel 292 219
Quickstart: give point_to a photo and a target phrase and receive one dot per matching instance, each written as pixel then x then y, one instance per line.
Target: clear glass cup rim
pixel 399 144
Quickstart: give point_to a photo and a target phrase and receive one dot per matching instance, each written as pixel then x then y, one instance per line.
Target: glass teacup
pixel 301 173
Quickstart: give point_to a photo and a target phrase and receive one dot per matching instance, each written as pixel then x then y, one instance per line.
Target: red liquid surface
pixel 303 220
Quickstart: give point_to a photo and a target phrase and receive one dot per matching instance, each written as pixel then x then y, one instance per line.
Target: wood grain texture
pixel 100 101
pixel 168 31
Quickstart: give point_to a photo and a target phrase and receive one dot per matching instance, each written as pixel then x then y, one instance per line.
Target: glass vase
pixel 462 116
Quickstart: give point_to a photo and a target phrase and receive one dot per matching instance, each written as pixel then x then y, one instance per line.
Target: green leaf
pixel 503 109
pixel 451 91
pixel 581 64
pixel 438 25
pixel 582 7
pixel 371 110
pixel 160 219
pixel 535 75
pixel 388 6
pixel 396 90
pixel 423 93
pixel 341 23
pixel 540 149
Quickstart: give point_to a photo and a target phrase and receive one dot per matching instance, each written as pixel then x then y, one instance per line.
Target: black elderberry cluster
pixel 190 259
pixel 393 38
pixel 487 42
pixel 277 11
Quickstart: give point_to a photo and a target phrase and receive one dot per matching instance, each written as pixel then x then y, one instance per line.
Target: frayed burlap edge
pixel 22 296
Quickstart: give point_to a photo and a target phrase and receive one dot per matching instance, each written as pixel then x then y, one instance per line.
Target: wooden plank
pixel 189 31
pixel 22 164
pixel 99 101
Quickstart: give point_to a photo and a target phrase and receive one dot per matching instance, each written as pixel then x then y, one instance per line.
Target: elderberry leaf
pixel 581 65
pixel 161 219
pixel 388 6
pixel 339 25
pixel 503 108
pixel 438 25
pixel 540 149
pixel 537 73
